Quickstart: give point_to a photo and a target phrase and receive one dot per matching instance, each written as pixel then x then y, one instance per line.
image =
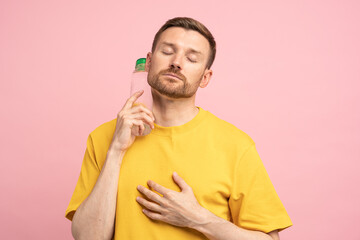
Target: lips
pixel 172 76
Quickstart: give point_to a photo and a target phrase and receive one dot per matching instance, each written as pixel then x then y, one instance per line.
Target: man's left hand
pixel 176 208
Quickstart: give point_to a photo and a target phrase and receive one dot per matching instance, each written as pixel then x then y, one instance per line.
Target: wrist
pixel 115 153
pixel 116 147
pixel 204 220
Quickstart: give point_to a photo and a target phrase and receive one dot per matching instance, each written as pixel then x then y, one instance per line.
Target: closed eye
pixel 192 60
pixel 166 53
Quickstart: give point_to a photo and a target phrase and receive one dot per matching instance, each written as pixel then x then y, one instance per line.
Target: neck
pixel 170 112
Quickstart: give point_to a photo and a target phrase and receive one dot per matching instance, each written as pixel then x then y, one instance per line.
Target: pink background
pixel 287 73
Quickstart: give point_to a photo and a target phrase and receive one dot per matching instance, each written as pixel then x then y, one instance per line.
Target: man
pixel 194 176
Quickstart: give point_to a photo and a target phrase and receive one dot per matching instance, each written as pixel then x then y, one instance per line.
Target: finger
pixel 152 215
pixel 157 187
pixel 149 205
pixel 150 194
pixel 132 99
pixel 181 182
pixel 144 117
pixel 141 108
pixel 142 129
pixel 133 122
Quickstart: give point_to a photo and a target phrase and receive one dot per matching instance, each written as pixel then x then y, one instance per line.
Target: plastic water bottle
pixel 139 82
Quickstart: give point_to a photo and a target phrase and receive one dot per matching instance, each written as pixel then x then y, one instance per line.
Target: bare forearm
pixel 94 219
pixel 216 228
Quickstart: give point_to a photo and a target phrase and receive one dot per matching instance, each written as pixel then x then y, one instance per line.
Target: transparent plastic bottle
pixel 139 82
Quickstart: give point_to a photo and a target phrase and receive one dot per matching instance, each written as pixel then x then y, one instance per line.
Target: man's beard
pixel 165 86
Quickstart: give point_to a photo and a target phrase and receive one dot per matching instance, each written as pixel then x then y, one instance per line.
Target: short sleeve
pixel 87 179
pixel 254 203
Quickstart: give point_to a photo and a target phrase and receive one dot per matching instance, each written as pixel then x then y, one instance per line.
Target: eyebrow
pixel 173 46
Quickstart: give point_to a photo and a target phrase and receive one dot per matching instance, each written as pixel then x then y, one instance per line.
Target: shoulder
pixel 104 132
pixel 229 132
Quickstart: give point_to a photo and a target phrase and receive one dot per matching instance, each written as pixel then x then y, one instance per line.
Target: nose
pixel 176 62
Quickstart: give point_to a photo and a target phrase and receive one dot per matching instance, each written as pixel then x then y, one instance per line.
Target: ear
pixel 206 78
pixel 148 61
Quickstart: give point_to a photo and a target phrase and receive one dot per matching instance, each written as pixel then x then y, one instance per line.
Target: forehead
pixel 184 38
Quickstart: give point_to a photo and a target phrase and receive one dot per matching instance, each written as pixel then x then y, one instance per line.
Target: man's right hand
pixel 128 117
pixel 94 218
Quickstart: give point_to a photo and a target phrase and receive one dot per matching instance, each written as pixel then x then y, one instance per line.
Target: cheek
pixel 196 74
pixel 158 61
pixel 153 69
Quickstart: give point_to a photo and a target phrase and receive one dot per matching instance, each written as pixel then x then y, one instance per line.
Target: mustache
pixel 173 71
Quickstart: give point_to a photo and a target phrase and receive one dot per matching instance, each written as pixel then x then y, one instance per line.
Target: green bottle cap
pixel 140 64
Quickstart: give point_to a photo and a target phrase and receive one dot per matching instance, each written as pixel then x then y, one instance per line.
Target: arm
pixel 183 210
pixel 95 217
pixel 217 228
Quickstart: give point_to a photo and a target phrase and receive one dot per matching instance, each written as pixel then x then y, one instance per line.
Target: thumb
pixel 180 182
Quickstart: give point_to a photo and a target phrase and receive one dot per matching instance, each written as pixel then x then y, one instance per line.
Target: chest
pixel 205 167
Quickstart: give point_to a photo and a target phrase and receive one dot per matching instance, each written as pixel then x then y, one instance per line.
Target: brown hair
pixel 190 24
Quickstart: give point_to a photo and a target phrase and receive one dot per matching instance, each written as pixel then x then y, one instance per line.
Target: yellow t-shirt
pixel 216 159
